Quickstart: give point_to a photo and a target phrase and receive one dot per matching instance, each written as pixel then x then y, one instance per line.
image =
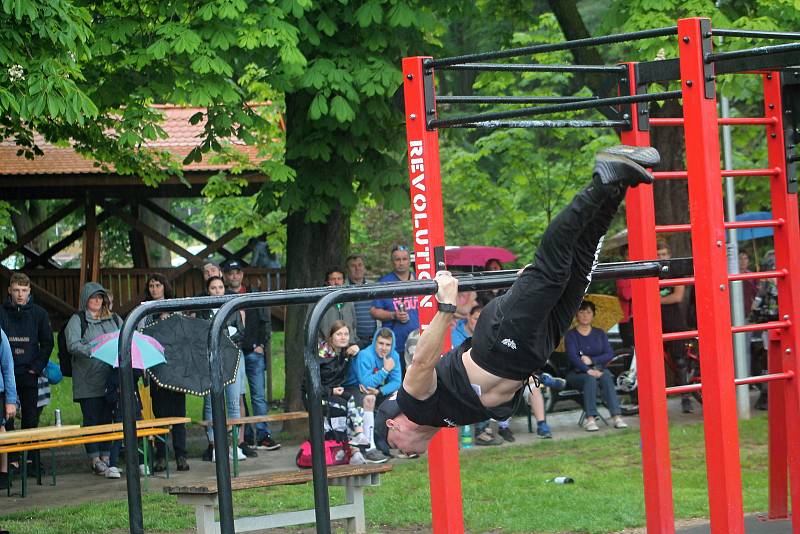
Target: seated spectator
pixel 377 371
pixel 589 351
pixel 8 398
pixel 534 398
pixel 90 375
pixel 344 416
pixel 465 327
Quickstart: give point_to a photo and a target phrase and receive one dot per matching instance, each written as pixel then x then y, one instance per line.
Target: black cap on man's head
pixel 231 265
pixel 389 409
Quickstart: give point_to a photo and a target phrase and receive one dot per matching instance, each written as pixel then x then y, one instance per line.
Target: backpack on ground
pixel 64 356
pixel 336 453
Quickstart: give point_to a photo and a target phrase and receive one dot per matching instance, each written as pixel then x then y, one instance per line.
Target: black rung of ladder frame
pixel 755 34
pixel 554 108
pixel 752 52
pixel 536 67
pixel 546 124
pixel 480 99
pixel 551 47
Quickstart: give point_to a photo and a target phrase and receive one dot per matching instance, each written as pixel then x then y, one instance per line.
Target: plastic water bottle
pixel 560 480
pixel 465 437
pixel 57 413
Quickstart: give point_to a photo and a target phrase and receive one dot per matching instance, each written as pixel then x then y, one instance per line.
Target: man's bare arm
pixel 420 379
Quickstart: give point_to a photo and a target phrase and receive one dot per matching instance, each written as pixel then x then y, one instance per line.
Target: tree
pixel 344 138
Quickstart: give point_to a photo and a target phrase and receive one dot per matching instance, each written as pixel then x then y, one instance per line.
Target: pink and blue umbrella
pixel 146 351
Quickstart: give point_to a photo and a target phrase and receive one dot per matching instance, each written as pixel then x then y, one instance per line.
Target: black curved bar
pixel 756 34
pixel 750 52
pixel 541 110
pixel 218 412
pixel 566 45
pixel 537 67
pixel 479 99
pixel 545 124
pixel 127 386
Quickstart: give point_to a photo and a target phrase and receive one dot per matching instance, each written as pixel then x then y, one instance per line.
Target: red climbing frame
pixel 711 280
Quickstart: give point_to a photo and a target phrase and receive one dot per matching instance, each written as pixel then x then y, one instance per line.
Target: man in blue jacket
pixel 31 338
pixel 8 398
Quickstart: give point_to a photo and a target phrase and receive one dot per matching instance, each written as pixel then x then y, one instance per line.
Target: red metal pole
pixel 649 348
pixel 787 256
pixel 778 475
pixel 428 226
pixel 711 272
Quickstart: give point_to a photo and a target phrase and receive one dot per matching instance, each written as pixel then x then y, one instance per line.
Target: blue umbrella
pixel 745 234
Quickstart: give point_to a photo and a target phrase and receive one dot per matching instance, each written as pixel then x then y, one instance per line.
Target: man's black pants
pixel 168 403
pixel 518 330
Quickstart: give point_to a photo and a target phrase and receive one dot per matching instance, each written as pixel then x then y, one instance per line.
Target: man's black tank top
pixel 454 402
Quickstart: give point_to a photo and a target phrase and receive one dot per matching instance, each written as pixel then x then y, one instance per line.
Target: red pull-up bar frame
pixel 701 128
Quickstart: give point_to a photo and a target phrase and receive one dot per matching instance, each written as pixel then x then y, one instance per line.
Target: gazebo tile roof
pixel 182 138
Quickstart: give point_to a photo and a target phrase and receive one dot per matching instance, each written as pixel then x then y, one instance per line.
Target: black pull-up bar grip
pixel 751 52
pixel 536 67
pixel 480 99
pixel 541 110
pixel 566 45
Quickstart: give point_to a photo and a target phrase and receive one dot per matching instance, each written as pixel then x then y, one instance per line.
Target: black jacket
pixel 29 333
pixel 255 328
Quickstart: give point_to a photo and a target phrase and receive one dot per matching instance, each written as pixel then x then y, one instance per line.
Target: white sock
pixel 369 427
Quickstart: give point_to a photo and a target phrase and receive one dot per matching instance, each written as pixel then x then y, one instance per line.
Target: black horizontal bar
pixel 545 124
pixel 535 67
pixel 571 106
pixel 479 99
pixel 752 52
pixel 757 34
pixel 669 69
pixel 564 45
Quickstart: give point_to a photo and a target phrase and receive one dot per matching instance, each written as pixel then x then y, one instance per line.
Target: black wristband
pixel 446 308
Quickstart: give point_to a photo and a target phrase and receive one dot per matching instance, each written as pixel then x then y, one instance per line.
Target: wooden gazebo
pixel 62 173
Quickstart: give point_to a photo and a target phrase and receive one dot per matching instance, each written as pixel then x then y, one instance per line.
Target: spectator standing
pixel 749 287
pixel 674 320
pixel 625 296
pixel 254 342
pixel 484 297
pixel 342 311
pixel 262 256
pixel 366 325
pixel 28 330
pixel 399 314
pixel 166 403
pixel 90 375
pixel 589 352
pixel 8 398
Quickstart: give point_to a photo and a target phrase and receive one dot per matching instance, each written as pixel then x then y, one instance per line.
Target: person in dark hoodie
pixel 90 375
pixel 28 329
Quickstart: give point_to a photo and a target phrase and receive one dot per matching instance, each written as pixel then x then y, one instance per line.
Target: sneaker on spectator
pixel 374 456
pixel 543 430
pixel 182 464
pixel 591 426
pixel 100 468
pixel 208 454
pixel 686 405
pixel 619 422
pixel 408 455
pixel 143 470
pixel 357 459
pixel 552 382
pixel 160 465
pixel 359 440
pixel 248 451
pixel 241 456
pixel 506 434
pixel 268 444
pixel 112 472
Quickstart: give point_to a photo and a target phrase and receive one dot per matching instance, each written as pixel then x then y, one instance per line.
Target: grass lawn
pixel 504 489
pixel 61 394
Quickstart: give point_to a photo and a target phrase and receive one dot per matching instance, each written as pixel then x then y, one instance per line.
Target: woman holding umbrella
pixel 89 375
pixel 166 403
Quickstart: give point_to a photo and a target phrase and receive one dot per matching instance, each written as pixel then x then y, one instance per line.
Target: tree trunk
pixel 311 248
pixel 29 214
pixel 573 27
pixel 157 254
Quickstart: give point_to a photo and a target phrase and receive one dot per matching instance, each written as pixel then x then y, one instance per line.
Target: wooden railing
pixel 128 286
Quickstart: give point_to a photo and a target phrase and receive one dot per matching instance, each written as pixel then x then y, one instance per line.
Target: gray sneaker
pixel 100 468
pixel 357 459
pixel 374 456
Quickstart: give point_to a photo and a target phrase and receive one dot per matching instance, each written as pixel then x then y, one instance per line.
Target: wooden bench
pixel 353 477
pixel 67 435
pixel 233 425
